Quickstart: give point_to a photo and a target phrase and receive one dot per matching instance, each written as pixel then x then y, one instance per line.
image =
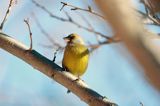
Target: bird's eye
pixel 72 37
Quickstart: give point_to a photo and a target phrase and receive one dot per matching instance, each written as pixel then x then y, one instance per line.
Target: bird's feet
pixel 76 80
pixel 68 91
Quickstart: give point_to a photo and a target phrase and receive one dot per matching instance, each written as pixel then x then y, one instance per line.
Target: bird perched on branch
pixel 76 55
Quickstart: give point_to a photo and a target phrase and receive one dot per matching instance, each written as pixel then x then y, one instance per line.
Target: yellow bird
pixel 76 55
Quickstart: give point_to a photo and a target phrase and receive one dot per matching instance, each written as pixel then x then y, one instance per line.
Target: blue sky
pixel 112 71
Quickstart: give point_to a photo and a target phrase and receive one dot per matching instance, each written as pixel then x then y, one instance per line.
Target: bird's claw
pixel 76 80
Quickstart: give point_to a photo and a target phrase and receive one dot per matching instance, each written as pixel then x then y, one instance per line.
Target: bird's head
pixel 74 38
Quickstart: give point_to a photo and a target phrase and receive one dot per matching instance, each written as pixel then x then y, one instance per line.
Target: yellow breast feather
pixel 76 58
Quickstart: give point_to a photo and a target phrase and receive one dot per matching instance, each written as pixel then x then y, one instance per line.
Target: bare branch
pixel 30 33
pixel 53 71
pixel 59 46
pixel 47 11
pixel 55 53
pixel 90 26
pixel 6 15
pixel 151 8
pixel 95 46
pixel 85 20
pixel 70 20
pixel 152 20
pixel 89 9
pixel 48 36
pixel 136 38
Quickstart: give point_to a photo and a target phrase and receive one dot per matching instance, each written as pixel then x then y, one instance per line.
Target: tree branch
pixel 6 15
pixel 150 11
pixel 128 26
pixel 30 33
pixel 53 71
pixel 89 9
pixel 48 36
pixel 70 20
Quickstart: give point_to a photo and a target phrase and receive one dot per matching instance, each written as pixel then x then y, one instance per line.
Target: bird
pixel 76 55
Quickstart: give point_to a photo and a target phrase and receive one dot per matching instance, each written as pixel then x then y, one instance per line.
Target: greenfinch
pixel 76 55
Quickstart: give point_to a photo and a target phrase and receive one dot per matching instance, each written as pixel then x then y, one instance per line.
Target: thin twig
pixel 96 46
pixel 151 18
pixel 89 9
pixel 30 33
pixel 47 11
pixel 85 20
pixel 89 25
pixel 70 20
pixel 44 32
pixel 85 28
pixel 150 13
pixel 7 14
pixel 55 53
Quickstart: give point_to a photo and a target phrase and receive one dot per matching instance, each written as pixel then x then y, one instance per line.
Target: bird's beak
pixel 67 39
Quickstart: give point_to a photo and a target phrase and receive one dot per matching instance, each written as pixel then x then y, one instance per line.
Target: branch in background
pixel 95 46
pixel 139 42
pixel 53 71
pixel 85 20
pixel 55 53
pixel 60 47
pixel 90 26
pixel 30 33
pixel 44 32
pixel 92 47
pixel 7 14
pixel 70 20
pixel 89 9
pixel 85 28
pixel 152 7
pixel 148 19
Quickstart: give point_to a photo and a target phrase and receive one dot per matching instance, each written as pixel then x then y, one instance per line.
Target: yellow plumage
pixel 76 55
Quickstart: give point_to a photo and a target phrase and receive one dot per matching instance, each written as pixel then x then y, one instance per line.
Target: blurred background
pixel 112 71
